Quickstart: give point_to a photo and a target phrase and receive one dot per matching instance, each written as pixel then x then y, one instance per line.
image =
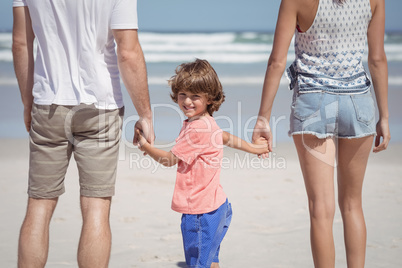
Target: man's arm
pixel 260 145
pixel 134 74
pixel 22 48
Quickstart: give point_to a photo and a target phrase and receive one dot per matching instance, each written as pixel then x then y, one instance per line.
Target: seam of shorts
pixel 199 239
pixel 328 135
pixel 41 195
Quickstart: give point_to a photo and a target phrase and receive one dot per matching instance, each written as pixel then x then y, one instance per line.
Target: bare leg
pixel 95 241
pixel 317 158
pixel 215 265
pixel 353 155
pixel 33 244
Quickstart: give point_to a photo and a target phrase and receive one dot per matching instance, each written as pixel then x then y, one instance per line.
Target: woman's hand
pixel 261 147
pixel 382 131
pixel 262 130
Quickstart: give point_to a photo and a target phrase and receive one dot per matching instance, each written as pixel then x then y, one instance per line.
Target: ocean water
pixel 240 60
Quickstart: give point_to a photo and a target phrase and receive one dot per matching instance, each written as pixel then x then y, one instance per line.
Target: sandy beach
pixel 270 226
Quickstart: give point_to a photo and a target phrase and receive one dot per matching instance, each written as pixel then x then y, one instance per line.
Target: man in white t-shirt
pixel 73 105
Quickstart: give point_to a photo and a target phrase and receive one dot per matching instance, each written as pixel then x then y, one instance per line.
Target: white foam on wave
pixel 395 81
pixel 8 81
pixel 6 38
pixel 225 80
pixel 236 47
pixel 211 57
pixel 226 47
pixel 6 55
pixel 192 38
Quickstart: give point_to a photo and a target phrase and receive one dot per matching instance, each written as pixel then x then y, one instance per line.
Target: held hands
pixel 260 146
pixel 141 141
pixel 143 133
pixel 145 128
pixel 262 130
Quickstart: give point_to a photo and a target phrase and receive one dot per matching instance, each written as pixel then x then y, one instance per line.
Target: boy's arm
pixel 260 146
pixel 165 158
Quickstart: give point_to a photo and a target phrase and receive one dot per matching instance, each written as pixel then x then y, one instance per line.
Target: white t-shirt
pixel 76 60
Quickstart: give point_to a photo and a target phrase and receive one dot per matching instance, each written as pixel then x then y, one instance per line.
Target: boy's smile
pixel 192 105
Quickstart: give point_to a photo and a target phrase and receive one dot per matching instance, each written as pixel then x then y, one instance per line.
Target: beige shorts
pixel 92 134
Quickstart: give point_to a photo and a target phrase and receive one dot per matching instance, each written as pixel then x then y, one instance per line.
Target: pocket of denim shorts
pixel 364 107
pixel 307 105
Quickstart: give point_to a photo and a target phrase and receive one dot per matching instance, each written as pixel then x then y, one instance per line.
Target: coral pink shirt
pixel 199 148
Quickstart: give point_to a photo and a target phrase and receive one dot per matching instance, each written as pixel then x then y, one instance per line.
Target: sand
pixel 270 226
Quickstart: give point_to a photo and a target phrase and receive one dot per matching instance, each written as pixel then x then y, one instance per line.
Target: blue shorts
pixel 332 115
pixel 203 234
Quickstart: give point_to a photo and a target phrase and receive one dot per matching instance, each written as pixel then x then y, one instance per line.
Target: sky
pixel 210 15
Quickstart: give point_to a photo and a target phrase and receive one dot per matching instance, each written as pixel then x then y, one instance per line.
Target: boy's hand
pixel 146 129
pixel 141 140
pixel 261 146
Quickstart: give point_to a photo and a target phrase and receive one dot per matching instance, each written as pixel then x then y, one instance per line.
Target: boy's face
pixel 192 105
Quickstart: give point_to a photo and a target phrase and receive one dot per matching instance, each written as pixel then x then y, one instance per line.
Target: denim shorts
pixel 332 115
pixel 203 234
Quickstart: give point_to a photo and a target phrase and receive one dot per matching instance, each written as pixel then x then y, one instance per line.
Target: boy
pixel 198 153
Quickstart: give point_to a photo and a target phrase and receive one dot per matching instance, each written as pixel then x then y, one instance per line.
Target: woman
pixel 332 116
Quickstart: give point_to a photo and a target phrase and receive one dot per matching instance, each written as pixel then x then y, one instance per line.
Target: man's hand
pixel 27 118
pixel 145 128
pixel 141 140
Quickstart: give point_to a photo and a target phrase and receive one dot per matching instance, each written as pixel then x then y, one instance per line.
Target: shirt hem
pixel 76 103
pixel 195 212
pixel 351 92
pixel 124 27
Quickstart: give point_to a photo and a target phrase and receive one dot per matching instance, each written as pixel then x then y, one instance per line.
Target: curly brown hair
pixel 198 77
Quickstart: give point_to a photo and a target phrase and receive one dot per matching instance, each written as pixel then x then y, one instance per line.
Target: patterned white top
pixel 329 54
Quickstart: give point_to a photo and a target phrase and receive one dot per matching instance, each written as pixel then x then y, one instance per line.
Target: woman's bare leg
pixel 352 161
pixel 317 158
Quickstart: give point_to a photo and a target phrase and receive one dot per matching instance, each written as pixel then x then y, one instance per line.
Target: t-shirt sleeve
pixel 19 3
pixel 191 145
pixel 124 15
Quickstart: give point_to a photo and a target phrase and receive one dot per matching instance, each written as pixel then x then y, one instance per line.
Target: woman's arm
pixel 165 158
pixel 377 62
pixel 284 31
pixel 260 146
